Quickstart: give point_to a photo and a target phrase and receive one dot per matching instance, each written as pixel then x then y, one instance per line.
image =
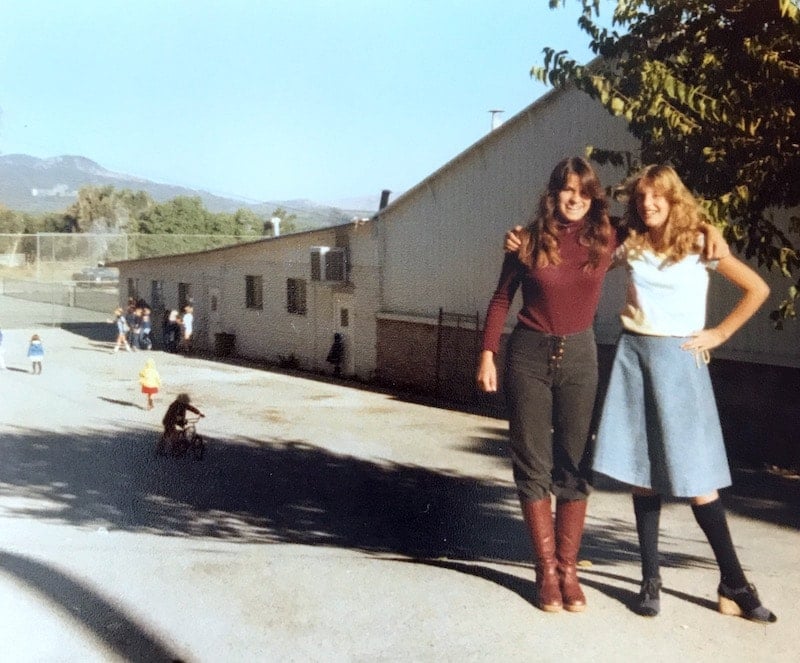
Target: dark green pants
pixel 550 385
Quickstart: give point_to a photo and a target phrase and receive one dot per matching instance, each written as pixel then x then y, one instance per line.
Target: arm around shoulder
pixel 716 248
pixel 513 240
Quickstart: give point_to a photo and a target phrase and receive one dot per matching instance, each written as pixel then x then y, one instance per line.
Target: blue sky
pixel 267 99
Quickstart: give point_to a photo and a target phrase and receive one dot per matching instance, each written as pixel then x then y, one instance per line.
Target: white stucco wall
pixel 272 332
pixel 442 241
pixel 438 245
pixel 444 238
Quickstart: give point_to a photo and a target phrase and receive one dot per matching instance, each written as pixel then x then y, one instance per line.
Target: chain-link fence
pixel 103 298
pixel 56 256
pixel 64 269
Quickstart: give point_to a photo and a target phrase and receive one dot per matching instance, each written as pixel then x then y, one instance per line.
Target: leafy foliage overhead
pixel 710 87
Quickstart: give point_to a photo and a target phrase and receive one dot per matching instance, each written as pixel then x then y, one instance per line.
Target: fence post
pixel 477 344
pixel 439 349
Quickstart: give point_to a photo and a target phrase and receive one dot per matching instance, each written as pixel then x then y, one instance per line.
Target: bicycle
pixel 186 440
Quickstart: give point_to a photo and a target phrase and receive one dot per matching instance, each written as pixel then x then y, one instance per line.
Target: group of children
pixel 178 330
pixel 149 380
pixel 133 332
pixel 134 327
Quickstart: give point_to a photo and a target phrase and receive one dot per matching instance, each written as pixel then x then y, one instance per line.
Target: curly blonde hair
pixel 540 237
pixel 682 229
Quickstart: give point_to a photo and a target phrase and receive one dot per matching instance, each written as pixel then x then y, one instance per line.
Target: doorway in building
pixel 343 324
pixel 214 316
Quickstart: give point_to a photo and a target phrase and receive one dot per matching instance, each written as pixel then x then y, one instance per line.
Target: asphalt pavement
pixel 328 522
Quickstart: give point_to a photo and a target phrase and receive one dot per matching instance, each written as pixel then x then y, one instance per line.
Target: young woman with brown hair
pixel 550 378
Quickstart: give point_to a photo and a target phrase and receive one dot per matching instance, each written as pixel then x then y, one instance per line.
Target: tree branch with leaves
pixel 710 88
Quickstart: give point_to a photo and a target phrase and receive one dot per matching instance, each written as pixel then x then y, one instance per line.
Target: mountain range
pixel 31 184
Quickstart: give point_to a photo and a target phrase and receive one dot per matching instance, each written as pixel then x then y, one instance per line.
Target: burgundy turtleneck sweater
pixel 557 299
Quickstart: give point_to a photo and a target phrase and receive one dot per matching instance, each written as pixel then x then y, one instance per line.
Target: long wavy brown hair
pixel 540 238
pixel 682 228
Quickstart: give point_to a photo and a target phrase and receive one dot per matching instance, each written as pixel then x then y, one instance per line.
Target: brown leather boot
pixel 539 519
pixel 569 530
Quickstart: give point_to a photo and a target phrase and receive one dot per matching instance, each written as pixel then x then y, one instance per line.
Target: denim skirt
pixel 659 426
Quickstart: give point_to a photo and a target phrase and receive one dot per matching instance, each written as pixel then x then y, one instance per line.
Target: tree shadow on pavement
pixel 760 494
pixel 279 491
pixel 100 616
pixel 756 493
pixel 94 331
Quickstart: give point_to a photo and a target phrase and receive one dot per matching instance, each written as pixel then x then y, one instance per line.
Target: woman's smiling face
pixel 652 206
pixel 573 204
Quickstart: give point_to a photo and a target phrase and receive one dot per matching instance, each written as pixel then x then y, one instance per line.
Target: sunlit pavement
pixel 328 523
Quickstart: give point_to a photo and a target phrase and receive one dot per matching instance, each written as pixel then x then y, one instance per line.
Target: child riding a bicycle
pixel 175 418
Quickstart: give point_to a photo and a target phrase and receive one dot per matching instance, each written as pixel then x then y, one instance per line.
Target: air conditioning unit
pixel 328 264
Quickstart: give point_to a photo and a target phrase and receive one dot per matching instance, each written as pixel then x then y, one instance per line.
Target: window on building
pixel 328 264
pixel 184 295
pixel 254 291
pixel 296 296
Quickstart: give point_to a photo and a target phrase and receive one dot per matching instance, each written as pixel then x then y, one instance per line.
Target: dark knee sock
pixel 712 520
pixel 647 509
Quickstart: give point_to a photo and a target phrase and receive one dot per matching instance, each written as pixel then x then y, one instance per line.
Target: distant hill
pixel 30 184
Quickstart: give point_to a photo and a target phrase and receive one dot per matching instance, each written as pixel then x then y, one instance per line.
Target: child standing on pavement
pixel 187 328
pixel 150 381
pixel 36 354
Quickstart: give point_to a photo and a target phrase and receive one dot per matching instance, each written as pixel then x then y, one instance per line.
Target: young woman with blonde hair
pixel 659 430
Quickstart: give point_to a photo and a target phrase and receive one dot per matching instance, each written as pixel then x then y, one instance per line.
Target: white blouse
pixel 664 299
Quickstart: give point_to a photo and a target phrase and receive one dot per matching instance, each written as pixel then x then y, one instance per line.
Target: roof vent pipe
pixel 496 121
pixel 384 199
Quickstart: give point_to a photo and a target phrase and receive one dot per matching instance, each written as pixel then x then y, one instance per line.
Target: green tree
pixel 182 215
pixel 246 223
pixel 103 209
pixel 11 221
pixel 93 211
pixel 710 87
pixel 220 223
pixel 130 206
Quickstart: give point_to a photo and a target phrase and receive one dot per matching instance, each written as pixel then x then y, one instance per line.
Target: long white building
pixel 408 288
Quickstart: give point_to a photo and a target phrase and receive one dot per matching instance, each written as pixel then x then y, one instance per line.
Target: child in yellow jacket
pixel 150 381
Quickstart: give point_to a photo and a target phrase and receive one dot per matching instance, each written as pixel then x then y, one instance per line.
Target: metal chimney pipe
pixel 384 199
pixel 496 121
